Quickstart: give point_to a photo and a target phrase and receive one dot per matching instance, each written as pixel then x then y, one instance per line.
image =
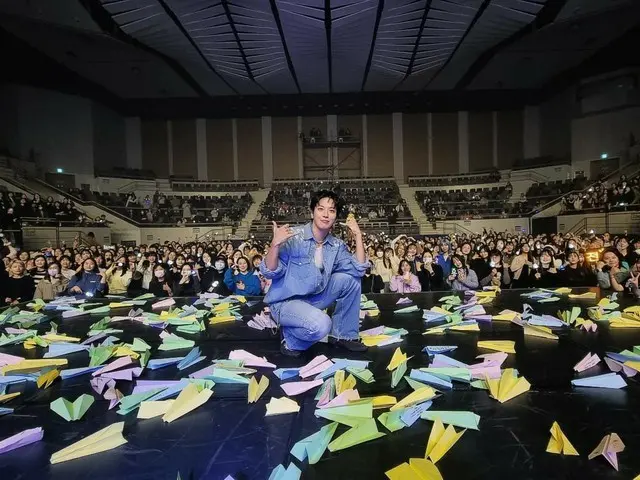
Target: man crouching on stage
pixel 311 269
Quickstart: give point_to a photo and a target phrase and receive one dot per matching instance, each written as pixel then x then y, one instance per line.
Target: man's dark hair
pixel 320 194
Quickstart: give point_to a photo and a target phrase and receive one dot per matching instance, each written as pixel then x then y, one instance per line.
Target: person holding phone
pixel 240 278
pixel 405 281
pixel 161 285
pixel 188 285
pixel 461 278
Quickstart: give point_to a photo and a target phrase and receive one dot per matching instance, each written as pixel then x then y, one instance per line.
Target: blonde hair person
pixel 53 283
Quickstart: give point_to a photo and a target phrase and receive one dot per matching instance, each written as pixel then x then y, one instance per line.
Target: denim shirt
pixel 297 276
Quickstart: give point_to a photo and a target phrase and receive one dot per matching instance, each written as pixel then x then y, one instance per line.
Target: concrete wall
pixel 498 224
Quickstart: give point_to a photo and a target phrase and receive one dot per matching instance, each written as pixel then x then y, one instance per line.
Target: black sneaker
pixel 351 345
pixel 289 353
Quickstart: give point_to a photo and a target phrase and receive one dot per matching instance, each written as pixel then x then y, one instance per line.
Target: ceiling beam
pixel 232 24
pixel 276 17
pixel 108 25
pixel 373 43
pixel 414 53
pixel 546 16
pixel 327 29
pixel 174 18
pixel 476 17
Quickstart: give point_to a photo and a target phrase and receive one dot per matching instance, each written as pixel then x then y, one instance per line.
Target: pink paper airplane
pixel 590 360
pixel 403 301
pixel 6 359
pixel 373 331
pixel 296 388
pixel 609 447
pixel 126 374
pixel 315 366
pixel 250 360
pixel 496 358
pixel 343 399
pixel 113 395
pixel 99 384
pixel 167 302
pixel 616 366
pixel 115 365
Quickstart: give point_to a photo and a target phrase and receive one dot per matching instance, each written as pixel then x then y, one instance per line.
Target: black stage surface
pixel 228 437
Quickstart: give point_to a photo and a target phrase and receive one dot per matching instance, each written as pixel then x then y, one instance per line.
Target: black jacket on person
pixel 221 287
pixel 157 288
pixel 21 289
pixel 523 281
pixel 546 280
pixel 189 289
pixel 577 277
pixel 481 266
pixel 372 284
pixel 431 282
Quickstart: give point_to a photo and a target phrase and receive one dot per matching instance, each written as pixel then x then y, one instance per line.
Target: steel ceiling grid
pixel 352 33
pixel 303 25
pixel 501 19
pixel 395 43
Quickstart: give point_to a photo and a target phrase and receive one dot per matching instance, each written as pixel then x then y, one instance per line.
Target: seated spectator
pixel 161 285
pixel 431 275
pixel 462 278
pixel 520 267
pixel 405 281
pixel 382 264
pixel 52 285
pixel 188 285
pixel 576 275
pixel 118 277
pixel 612 272
pixel 241 280
pixel 632 282
pixel 40 270
pixel 20 287
pixel 371 283
pixel 498 275
pixel 88 280
pixel 544 273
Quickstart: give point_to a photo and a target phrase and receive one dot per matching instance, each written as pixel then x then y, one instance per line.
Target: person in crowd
pixel 118 277
pixel 499 274
pixel 88 280
pixel 405 281
pixel 382 265
pixel 206 272
pixel 53 284
pixel 612 271
pixel 576 275
pixel 431 275
pixel 188 285
pixel 544 273
pixel 481 262
pixel 627 254
pixel 444 258
pixel 40 270
pixel 461 278
pixel 632 283
pixel 20 287
pixel 161 285
pixel 240 280
pixel 521 266
pixel 371 282
pixel 217 278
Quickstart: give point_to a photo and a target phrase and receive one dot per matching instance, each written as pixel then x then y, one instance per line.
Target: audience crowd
pixel 403 264
pixel 602 196
pixel 466 204
pixel 455 179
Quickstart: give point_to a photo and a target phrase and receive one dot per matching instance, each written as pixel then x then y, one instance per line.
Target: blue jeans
pixel 303 321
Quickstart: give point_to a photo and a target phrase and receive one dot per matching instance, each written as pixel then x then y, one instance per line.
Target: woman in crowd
pixel 462 278
pixel 521 266
pixel 160 285
pixel 188 285
pixel 634 276
pixel 383 266
pixel 431 276
pixel 118 277
pixel 66 267
pixel 241 280
pixel 481 263
pixel 217 281
pixel 627 255
pixel 405 281
pixel 499 275
pixel 206 272
pixel 40 270
pixel 53 284
pixel 544 273
pixel 576 275
pixel 371 283
pixel 612 271
pixel 88 280
pixel 20 287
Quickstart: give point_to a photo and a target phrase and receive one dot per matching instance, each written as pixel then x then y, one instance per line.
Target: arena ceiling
pixel 139 50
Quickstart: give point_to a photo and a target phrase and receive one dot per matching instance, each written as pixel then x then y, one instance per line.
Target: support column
pixel 133 138
pixel 463 142
pixel 201 148
pixel 494 118
pixel 398 147
pixel 429 143
pixel 170 145
pixel 267 152
pixel 300 151
pixel 364 148
pixel 531 131
pixel 332 134
pixel 234 138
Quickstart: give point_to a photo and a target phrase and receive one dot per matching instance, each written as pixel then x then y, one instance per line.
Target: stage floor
pixel 226 436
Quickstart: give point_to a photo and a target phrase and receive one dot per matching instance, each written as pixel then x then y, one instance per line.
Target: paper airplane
pixel 157 363
pixel 297 388
pixel 363 432
pixel 397 358
pixel 30 366
pixel 506 315
pixel 441 440
pixel 607 380
pixel 450 373
pixel 416 469
pixel 446 361
pixel 429 379
pixel 72 410
pixel 589 361
pixel 403 301
pixel 318 365
pixel 418 396
pixel 617 367
pixel 412 414
pixel 292 472
pixel 433 349
pixel 363 374
pixel 190 359
pixel 189 399
pixel 175 342
pixel 250 359
pixel 341 364
pixel 286 373
pixel 462 419
pixel 342 399
pixel 132 402
pixel 507 346
pixel 281 406
pixel 114 396
pixel 22 439
pixel 352 414
pixel 100 383
pixel 115 365
pixel 586 295
pixel 75 372
pixel 46 379
pixel 609 447
pixel 167 302
pixel 559 443
pixel 392 420
pixel 6 359
pixel 343 383
pixel 256 389
pixel 127 374
pixel 410 309
pixel 221 375
pixel 106 439
pixel 313 446
pixel 508 386
pixel 152 409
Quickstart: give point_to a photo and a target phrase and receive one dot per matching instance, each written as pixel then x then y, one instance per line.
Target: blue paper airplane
pixel 607 380
pixel 435 349
pixel 191 358
pixel 157 363
pixel 75 372
pixel 430 379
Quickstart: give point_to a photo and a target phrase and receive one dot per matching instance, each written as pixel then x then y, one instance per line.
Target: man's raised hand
pixel 281 234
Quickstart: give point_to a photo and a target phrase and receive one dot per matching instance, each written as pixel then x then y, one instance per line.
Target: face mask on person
pixel 219 265
pixel 159 273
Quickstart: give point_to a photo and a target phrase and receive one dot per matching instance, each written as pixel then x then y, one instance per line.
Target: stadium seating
pixel 465 203
pixel 444 180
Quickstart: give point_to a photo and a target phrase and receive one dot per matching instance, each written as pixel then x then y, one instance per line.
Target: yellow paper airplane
pixel 562 290
pixel 191 397
pixel 625 321
pixel 508 386
pixel 507 315
pixel 384 401
pixel 441 440
pixel 632 309
pixel 256 389
pixel 55 337
pixel 487 293
pixel 373 340
pixel 418 396
pixel 397 358
pixel 280 406
pixel 123 351
pixel 416 469
pixel 221 319
pixel 119 304
pixel 585 295
pixel 30 366
pixel 46 379
pixel 506 346
pixel 559 443
pixel 539 331
pixel 343 384
pixel 101 441
pixel 485 300
pixel 221 307
pixel 439 310
pixel 8 396
pixel 154 409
